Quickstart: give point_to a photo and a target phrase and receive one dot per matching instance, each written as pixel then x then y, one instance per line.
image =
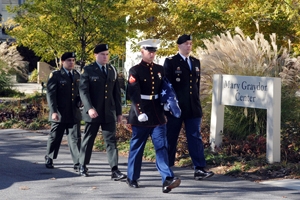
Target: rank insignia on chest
pixel 94 78
pixel 177 79
pixel 197 69
pixel 159 75
pixel 131 79
pixel 178 70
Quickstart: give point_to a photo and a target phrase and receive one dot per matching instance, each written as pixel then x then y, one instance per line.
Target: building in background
pixel 4 15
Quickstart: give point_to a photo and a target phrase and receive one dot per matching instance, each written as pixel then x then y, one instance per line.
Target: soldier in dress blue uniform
pixel 146 117
pixel 183 71
pixel 64 101
pixel 101 96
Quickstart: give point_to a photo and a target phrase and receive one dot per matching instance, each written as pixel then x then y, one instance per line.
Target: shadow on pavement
pixel 22 165
pixel 17 163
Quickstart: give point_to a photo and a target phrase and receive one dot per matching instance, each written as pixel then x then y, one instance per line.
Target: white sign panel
pixel 247 91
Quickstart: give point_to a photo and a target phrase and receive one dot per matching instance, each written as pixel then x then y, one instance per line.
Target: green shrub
pixel 6 125
pixel 244 121
pixel 99 144
pixel 33 76
pixel 34 125
pixel 5 82
pixel 28 113
pixel 9 92
pixel 149 151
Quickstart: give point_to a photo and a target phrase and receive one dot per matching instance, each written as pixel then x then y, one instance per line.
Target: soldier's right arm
pixel 168 68
pixel 52 92
pixel 134 91
pixel 84 90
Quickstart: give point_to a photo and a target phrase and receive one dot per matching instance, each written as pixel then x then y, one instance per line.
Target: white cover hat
pixel 150 44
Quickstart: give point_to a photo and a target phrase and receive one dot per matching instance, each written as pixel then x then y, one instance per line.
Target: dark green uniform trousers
pixel 73 137
pixel 109 136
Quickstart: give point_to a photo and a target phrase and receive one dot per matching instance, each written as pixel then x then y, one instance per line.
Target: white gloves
pixel 142 117
pixel 166 107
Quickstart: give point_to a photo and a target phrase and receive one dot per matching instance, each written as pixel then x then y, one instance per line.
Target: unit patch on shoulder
pixel 131 79
pixel 82 71
pixel 51 74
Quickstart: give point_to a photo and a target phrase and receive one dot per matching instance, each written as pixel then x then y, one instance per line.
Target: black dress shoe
pixel 133 184
pixel 202 174
pixel 116 175
pixel 76 167
pixel 170 184
pixel 49 162
pixel 83 171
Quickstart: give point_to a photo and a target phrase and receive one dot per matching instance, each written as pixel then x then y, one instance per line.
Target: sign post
pixel 247 91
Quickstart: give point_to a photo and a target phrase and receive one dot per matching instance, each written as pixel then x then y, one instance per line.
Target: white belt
pixel 149 97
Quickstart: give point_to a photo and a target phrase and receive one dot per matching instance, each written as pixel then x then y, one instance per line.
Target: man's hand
pixel 79 104
pixel 55 116
pixel 119 119
pixel 166 106
pixel 93 113
pixel 143 117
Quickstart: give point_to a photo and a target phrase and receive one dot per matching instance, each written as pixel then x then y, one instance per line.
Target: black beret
pixel 67 55
pixel 101 47
pixel 184 38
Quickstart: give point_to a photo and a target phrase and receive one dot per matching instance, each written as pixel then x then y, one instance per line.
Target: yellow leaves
pixel 118 50
pixel 50 27
pixel 17 29
pixel 42 17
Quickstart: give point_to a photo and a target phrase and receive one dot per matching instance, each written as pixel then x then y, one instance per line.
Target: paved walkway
pixel 24 176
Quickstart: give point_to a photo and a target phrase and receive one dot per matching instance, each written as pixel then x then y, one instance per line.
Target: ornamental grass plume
pixel 14 62
pixel 241 55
